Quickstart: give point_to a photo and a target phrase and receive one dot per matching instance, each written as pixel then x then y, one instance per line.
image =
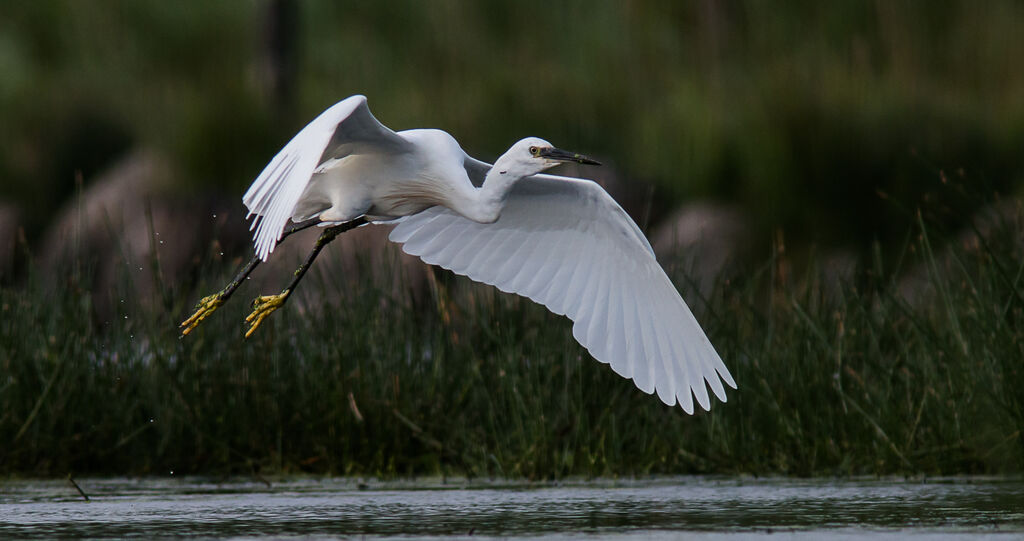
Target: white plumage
pixel 562 242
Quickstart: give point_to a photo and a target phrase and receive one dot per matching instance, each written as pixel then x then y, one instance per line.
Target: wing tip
pixel 668 398
pixel 700 392
pixel 687 405
pixel 264 242
pixel 703 399
pixel 724 374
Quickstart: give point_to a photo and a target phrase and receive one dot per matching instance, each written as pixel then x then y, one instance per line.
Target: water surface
pixel 688 507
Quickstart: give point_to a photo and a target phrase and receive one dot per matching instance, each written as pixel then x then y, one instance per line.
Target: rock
pixel 700 240
pixel 998 227
pixel 133 232
pixel 837 269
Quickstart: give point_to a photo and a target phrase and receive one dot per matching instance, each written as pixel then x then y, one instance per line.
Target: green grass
pixel 834 378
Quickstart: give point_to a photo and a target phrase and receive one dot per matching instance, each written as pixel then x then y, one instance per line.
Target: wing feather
pixel 550 278
pixel 596 329
pixel 441 242
pixel 490 261
pixel 435 236
pixel 616 339
pixel 345 128
pixel 711 376
pixel 647 355
pixel 534 254
pixel 666 392
pixel 566 244
pixel 518 254
pixel 585 315
pixel 540 281
pixel 415 224
pixel 633 356
pixel 570 297
pixel 448 257
pixel 473 242
pixel 574 290
pixel 684 395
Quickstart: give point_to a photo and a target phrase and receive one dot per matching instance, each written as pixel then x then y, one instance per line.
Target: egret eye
pixel 535 151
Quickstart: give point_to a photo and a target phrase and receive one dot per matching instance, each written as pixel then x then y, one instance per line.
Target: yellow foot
pixel 262 307
pixel 204 308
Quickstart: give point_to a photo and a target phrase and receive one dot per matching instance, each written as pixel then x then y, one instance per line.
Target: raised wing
pixel 476 170
pixel 566 244
pixel 347 127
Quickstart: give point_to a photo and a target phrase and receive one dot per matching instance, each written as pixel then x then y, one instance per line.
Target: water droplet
pixel 214 215
pixel 151 420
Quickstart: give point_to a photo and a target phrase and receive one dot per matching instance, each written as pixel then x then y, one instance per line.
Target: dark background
pixel 811 117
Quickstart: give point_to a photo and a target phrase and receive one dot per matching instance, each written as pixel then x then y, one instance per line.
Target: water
pixel 694 508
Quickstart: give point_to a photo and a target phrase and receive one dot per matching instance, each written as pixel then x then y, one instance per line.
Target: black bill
pixel 566 156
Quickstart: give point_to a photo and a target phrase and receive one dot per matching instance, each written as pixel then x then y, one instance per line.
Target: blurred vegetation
pixel 829 123
pixel 803 112
pixel 835 378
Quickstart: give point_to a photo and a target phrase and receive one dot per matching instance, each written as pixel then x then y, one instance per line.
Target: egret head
pixel 532 155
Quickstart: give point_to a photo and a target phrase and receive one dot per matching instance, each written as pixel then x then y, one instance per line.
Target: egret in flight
pixel 562 242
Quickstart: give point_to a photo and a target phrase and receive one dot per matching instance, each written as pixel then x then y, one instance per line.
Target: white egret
pixel 562 242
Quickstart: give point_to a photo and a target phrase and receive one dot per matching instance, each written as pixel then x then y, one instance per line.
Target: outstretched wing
pixel 347 127
pixel 566 244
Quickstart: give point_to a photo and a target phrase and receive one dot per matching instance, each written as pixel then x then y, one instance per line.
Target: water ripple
pixel 708 508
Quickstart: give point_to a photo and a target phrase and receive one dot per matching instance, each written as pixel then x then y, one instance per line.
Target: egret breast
pixel 405 197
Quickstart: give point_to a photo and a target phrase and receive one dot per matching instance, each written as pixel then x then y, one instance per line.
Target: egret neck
pixel 508 169
pixel 492 195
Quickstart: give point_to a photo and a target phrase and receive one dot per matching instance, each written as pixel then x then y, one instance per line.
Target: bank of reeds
pixel 914 365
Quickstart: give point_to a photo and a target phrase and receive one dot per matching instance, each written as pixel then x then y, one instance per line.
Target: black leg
pixel 255 261
pixel 208 304
pixel 263 306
